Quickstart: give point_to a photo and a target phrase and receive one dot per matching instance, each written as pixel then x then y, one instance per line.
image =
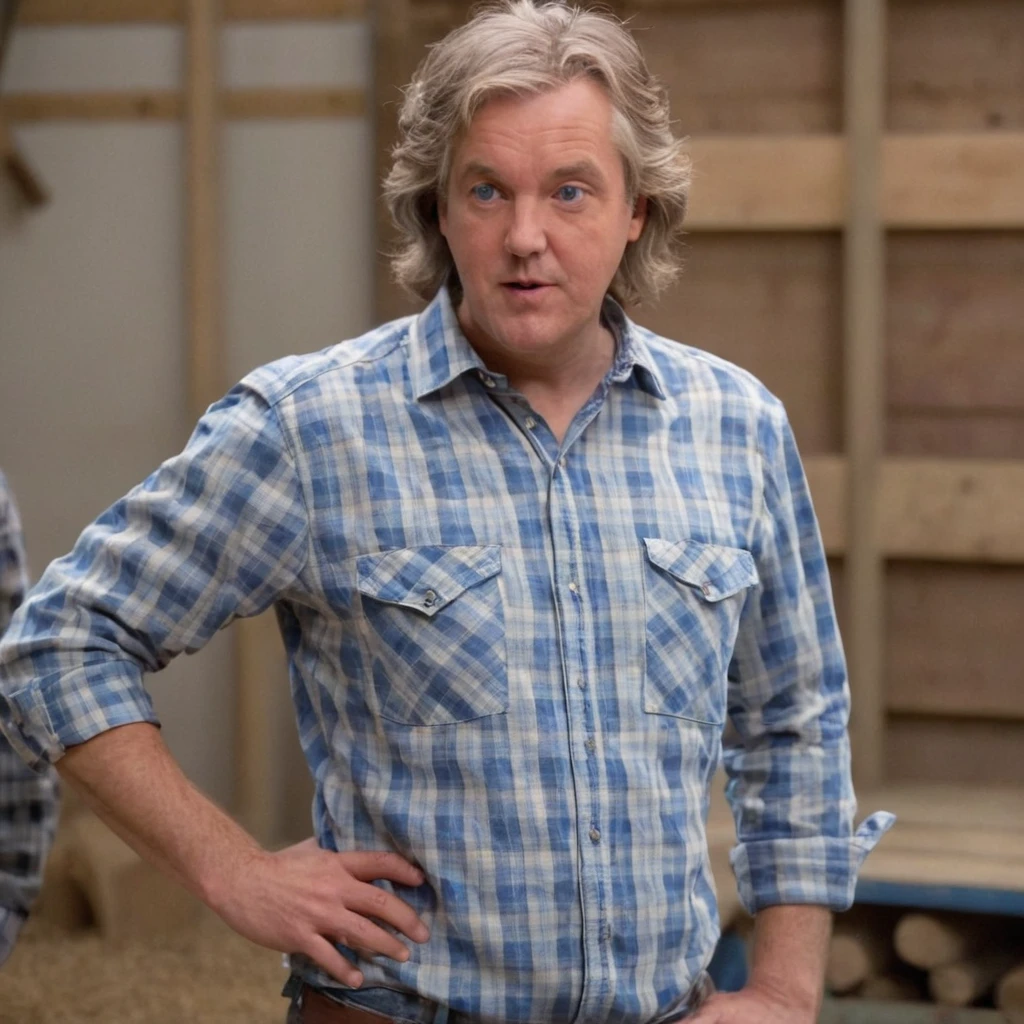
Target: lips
pixel 526 286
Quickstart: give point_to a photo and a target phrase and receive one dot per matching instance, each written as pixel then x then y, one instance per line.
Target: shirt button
pixel 429 598
pixel 595 835
pixel 706 587
pixel 574 587
pixel 530 422
pixel 590 745
pixel 488 381
pixel 581 682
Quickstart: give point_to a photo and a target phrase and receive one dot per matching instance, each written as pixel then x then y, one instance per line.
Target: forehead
pixel 573 120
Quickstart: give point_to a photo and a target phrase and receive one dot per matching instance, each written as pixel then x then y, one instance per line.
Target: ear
pixel 639 218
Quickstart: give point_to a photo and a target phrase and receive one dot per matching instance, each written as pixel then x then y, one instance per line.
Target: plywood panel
pixel 954 322
pixel 771 304
pixel 967 434
pixel 955 646
pixel 954 750
pixel 955 65
pixel 732 68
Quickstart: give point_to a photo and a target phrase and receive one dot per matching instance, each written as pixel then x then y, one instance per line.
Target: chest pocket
pixel 436 628
pixel 693 594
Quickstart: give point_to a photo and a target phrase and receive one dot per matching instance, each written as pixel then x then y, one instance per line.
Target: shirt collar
pixel 440 352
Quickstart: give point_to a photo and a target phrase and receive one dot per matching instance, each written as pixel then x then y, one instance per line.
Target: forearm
pixel 790 948
pixel 129 778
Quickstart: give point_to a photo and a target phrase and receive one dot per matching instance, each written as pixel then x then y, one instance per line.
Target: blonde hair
pixel 520 48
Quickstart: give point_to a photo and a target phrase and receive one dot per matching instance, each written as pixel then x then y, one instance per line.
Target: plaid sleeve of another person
pixel 28 801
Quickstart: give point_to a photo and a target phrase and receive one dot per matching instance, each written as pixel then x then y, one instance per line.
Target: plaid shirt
pixel 511 659
pixel 28 800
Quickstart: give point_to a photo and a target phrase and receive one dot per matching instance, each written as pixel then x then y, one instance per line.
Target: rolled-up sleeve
pixel 217 532
pixel 788 761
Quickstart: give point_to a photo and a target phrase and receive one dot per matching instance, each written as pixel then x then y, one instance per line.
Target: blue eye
pixel 570 193
pixel 485 193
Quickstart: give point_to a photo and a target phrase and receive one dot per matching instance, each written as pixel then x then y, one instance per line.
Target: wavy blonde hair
pixel 518 47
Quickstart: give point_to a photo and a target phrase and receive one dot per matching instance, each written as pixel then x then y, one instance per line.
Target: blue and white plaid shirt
pixel 28 800
pixel 512 659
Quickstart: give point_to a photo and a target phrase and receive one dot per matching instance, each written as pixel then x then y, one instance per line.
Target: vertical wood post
pixel 864 391
pixel 202 266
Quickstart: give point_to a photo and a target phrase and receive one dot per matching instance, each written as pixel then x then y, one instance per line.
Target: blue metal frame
pixel 729 968
pixel 968 898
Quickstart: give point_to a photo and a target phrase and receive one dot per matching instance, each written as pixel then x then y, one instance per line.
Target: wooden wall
pixel 763 89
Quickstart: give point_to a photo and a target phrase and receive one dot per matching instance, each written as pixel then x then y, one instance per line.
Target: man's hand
pixel 752 1005
pixel 299 900
pixel 303 899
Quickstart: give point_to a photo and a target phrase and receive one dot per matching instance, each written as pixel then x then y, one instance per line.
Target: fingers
pixel 324 954
pixel 371 901
pixel 370 939
pixel 369 865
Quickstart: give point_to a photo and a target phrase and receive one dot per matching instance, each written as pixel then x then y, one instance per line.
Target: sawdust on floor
pixel 202 975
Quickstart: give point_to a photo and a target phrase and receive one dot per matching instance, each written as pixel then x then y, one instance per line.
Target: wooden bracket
pixel 21 172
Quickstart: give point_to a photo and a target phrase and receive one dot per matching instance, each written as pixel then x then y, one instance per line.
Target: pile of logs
pixel 950 959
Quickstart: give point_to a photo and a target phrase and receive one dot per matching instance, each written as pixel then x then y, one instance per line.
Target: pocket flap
pixel 426 578
pixel 715 570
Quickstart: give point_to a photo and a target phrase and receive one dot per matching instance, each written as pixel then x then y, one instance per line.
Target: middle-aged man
pixel 527 559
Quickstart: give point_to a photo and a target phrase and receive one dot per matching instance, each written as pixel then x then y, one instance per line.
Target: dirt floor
pixel 193 976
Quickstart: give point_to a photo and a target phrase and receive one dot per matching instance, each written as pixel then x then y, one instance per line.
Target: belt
pixel 317 1008
pixel 320 1009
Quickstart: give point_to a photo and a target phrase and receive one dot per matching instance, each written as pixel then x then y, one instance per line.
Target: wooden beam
pixel 774 183
pixel 794 183
pixel 262 703
pixel 863 379
pixel 206 376
pixel 952 510
pixel 954 181
pixel 98 12
pixel 21 172
pixel 157 105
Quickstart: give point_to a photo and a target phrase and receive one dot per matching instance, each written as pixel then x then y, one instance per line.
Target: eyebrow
pixel 580 169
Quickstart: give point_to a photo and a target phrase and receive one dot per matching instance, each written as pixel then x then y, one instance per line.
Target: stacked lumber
pixel 948 835
pixel 954 960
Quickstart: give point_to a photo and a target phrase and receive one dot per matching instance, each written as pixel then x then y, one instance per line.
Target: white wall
pixel 92 316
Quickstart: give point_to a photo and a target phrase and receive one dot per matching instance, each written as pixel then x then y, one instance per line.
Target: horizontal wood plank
pixel 157 105
pixel 98 12
pixel 937 509
pixel 941 181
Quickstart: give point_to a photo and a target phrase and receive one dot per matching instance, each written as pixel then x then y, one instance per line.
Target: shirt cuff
pixel 818 870
pixel 46 717
pixel 10 925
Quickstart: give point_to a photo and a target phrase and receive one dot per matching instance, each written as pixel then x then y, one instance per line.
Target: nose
pixel 526 234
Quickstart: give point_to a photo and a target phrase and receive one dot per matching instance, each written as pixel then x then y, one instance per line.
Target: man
pixel 526 558
pixel 28 799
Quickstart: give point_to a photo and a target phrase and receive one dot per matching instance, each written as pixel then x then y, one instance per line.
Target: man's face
pixel 537 219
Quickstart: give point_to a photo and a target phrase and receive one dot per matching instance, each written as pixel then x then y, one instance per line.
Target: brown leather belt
pixel 319 1009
